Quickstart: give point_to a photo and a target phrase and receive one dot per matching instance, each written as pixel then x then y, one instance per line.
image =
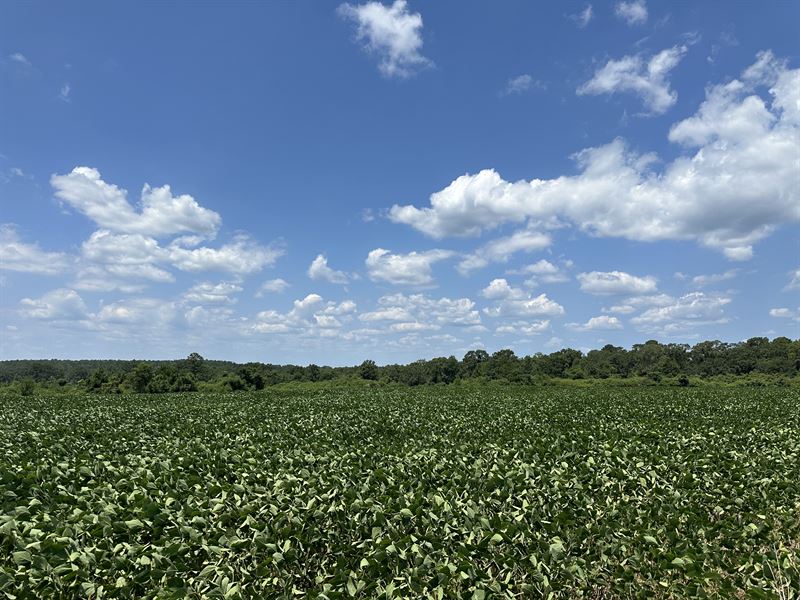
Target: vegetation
pixel 758 361
pixel 388 491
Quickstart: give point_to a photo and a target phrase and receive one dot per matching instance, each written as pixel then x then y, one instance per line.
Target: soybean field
pixel 389 492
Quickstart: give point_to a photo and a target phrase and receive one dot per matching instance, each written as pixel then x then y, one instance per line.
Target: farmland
pixel 442 492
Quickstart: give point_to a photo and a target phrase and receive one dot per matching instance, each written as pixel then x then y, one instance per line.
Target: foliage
pixel 651 362
pixel 387 491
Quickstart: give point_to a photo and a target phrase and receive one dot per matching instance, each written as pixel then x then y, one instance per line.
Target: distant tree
pixel 139 378
pixel 368 370
pixel 312 372
pixel 195 364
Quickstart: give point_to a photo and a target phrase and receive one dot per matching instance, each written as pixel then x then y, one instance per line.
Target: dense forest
pixel 757 360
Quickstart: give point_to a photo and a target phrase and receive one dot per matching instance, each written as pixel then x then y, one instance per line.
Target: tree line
pixel 650 362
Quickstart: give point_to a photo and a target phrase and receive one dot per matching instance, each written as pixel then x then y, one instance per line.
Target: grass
pixel 473 492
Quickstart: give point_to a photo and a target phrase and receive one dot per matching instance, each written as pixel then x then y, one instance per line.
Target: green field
pixel 457 492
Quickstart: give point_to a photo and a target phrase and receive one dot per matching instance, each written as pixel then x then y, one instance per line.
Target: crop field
pixel 458 492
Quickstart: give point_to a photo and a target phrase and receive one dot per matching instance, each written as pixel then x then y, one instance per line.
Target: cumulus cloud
pixel 633 13
pixel 151 313
pixel 160 212
pixel 527 328
pixel 242 256
pixel 501 249
pixel 684 313
pixel 319 269
pixel 212 293
pixel 601 323
pixel 611 283
pixel 272 286
pixel 511 301
pixel 413 268
pixel 738 186
pixel 419 308
pixel 785 313
pixel 60 304
pixel 392 33
pixel 16 255
pixel 309 316
pixel 645 78
pixel 543 271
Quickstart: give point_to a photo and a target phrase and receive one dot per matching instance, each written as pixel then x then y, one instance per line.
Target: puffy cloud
pixel 646 79
pixel 525 327
pixel 392 33
pixel 60 304
pixel 501 249
pixel 309 316
pixel 150 313
pixel 738 186
pixel 107 205
pixel 633 304
pixel 16 255
pixel 319 269
pixel 583 18
pixel 633 13
pixel 611 283
pixel 242 256
pixel 785 313
pixel 421 308
pixel 212 293
pixel 542 271
pixel 272 286
pixel 684 313
pixel 413 268
pixel 603 322
pixel 512 301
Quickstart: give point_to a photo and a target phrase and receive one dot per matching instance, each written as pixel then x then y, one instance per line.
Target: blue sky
pixel 325 182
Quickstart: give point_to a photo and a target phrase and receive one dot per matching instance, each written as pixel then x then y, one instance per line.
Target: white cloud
pixel 390 313
pixel 272 286
pixel 525 327
pixel 64 92
pixel 706 280
pixel 212 293
pixel 512 301
pixel 19 58
pixel 107 205
pixel 319 269
pixel 738 187
pixel 60 304
pixel 16 255
pixel 612 283
pixel 150 313
pixel 423 309
pixel 684 313
pixel 242 256
pixel 633 13
pixel 633 304
pixel 413 268
pixel 603 322
pixel 392 33
pixel 521 84
pixel 501 249
pixel 543 271
pixel 784 313
pixel 646 79
pixel 309 316
pixel 583 18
